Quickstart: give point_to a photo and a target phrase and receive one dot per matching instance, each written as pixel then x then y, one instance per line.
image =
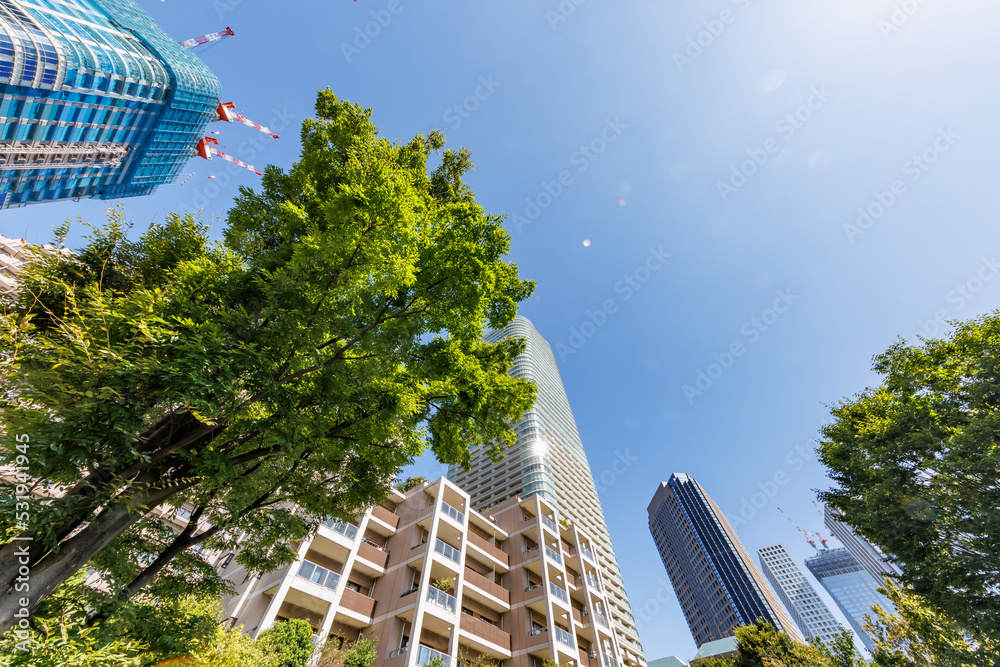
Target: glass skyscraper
pixel 801 600
pixel 850 586
pixel 549 461
pixel 715 580
pixel 867 554
pixel 95 101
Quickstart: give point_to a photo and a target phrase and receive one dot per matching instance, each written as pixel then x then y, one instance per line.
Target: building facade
pixel 549 461
pixel 427 576
pixel 95 101
pixel 867 554
pixel 807 609
pixel 850 586
pixel 716 582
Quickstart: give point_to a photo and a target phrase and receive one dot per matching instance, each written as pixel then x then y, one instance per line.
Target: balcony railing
pixel 553 554
pixel 426 653
pixel 348 530
pixel 608 661
pixel 485 630
pixel 531 586
pixel 594 583
pixel 488 547
pixel 453 513
pixel 473 578
pixel 587 554
pixel 558 592
pixel 448 551
pixel 565 637
pixel 602 620
pixel 442 599
pixel 319 575
pixel 550 524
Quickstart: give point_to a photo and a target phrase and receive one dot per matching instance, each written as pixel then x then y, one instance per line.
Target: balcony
pixel 348 530
pixel 550 524
pixel 442 599
pixel 385 516
pixel 358 603
pixel 553 554
pixel 587 554
pixel 594 583
pixel 318 575
pixel 426 653
pixel 453 513
pixel 565 637
pixel 473 578
pixel 373 553
pixel 559 592
pixel 485 631
pixel 602 621
pixel 608 661
pixel 489 549
pixel 448 551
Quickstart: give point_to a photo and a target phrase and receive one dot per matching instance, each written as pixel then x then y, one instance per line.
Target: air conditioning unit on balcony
pixel 592 655
pixel 586 612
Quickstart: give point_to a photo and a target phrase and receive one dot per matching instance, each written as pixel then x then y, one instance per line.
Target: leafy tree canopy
pixel 334 334
pixel 916 462
pixel 287 643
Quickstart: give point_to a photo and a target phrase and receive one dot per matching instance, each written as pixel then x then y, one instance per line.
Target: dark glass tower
pixel 713 576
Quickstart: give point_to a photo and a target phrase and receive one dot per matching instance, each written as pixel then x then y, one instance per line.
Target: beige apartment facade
pixel 427 576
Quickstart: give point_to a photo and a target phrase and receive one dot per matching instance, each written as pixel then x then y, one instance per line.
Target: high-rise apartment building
pixel 850 586
pixel 803 603
pixel 427 576
pixel 95 101
pixel 867 554
pixel 549 461
pixel 716 582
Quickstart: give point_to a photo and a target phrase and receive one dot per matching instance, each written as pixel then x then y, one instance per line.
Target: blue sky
pixel 619 121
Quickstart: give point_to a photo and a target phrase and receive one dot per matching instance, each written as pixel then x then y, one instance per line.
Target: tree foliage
pixel 762 645
pixel 287 643
pixel 334 335
pixel 360 653
pixel 916 462
pixel 410 482
pixel 918 636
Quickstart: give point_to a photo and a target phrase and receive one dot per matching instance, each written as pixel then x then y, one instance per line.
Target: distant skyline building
pixel 801 600
pixel 96 100
pixel 549 461
pixel 851 587
pixel 867 554
pixel 714 578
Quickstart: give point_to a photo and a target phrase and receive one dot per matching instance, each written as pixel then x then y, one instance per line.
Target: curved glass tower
pixel 549 461
pixel 95 101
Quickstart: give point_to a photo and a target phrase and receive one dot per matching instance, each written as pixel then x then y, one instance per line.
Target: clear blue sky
pixel 672 130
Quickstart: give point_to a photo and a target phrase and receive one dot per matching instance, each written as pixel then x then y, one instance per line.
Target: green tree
pixel 233 648
pixel 405 485
pixel 287 643
pixel 916 462
pixel 841 652
pixel 360 653
pixel 916 635
pixel 334 336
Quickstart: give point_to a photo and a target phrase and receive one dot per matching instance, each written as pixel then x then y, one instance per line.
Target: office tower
pixel 549 461
pixel 867 554
pixel 716 582
pixel 850 586
pixel 95 101
pixel 429 577
pixel 801 600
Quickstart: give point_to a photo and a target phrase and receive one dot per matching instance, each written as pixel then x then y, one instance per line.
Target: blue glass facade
pixel 95 101
pixel 718 586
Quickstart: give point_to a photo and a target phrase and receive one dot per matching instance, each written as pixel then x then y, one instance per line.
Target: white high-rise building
pixel 549 461
pixel 801 600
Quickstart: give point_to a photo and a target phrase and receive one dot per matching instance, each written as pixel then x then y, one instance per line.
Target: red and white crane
pixel 205 39
pixel 227 112
pixel 806 534
pixel 207 148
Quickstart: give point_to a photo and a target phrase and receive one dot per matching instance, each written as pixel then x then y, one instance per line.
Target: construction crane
pixel 205 39
pixel 227 112
pixel 823 518
pixel 807 535
pixel 207 148
pixel 32 155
